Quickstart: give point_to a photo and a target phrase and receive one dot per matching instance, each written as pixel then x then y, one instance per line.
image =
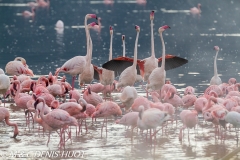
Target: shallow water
pixel 46 49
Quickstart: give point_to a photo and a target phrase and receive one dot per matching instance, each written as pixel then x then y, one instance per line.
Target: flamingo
pixel 127 97
pixel 107 76
pixel 17 68
pixel 216 80
pixel 196 11
pixel 43 3
pixel 129 119
pixel 151 118
pixel 57 119
pixel 189 120
pixel 74 94
pixel 92 97
pixel 4 84
pixel 5 115
pixel 28 14
pixel 129 75
pixel 87 75
pixel 76 65
pixel 59 24
pixel 145 66
pixel 106 109
pixel 157 77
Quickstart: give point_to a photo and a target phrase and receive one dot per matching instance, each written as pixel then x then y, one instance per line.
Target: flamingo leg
pixel 73 80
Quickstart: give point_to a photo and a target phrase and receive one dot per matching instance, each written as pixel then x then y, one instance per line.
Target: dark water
pixel 191 38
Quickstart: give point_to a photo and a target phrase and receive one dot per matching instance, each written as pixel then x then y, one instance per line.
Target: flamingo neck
pixel 163 51
pixel 124 50
pixel 110 50
pixel 42 110
pixel 152 40
pixel 89 42
pixel 12 124
pixel 135 51
pixel 215 64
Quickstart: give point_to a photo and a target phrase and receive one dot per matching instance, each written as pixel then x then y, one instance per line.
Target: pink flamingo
pixel 167 88
pixel 188 100
pixel 106 109
pixel 28 14
pixel 200 103
pixel 91 97
pixel 129 75
pixel 216 80
pixel 129 119
pixel 74 94
pixel 21 101
pixel 76 65
pixel 173 99
pixel 196 11
pixel 57 90
pixel 5 115
pixel 43 3
pixel 140 101
pixel 232 81
pixel 189 120
pixel 157 77
pixel 57 119
pixel 189 90
pixel 151 119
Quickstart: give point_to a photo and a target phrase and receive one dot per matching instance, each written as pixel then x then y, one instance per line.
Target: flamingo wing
pixel 119 64
pixel 172 62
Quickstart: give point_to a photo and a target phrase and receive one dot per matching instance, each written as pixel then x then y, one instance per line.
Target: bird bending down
pixel 5 115
pixel 216 80
pixel 157 78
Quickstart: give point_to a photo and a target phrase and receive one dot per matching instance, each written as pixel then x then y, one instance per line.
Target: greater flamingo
pixel 87 75
pixel 76 65
pixel 216 80
pixel 129 75
pixel 145 66
pixel 157 77
pixel 5 115
pixel 151 118
pixel 127 97
pixel 129 119
pixel 4 84
pixel 17 68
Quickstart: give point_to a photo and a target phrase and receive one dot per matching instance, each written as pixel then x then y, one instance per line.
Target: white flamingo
pixel 129 75
pixel 158 75
pixel 76 65
pixel 216 80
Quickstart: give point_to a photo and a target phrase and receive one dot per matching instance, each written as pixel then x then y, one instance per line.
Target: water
pixel 45 49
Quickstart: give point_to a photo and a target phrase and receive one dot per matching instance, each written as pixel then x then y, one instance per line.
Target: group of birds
pixel 47 96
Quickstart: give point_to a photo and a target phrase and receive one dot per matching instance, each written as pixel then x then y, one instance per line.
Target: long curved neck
pixel 89 43
pixel 85 25
pixel 163 51
pixel 135 51
pixel 110 50
pixel 215 65
pixel 152 40
pixel 12 124
pixel 18 90
pixel 42 110
pixel 124 49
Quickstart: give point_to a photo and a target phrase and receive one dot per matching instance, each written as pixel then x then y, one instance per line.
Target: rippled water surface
pixel 193 38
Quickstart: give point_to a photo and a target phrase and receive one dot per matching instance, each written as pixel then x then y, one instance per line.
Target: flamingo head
pixel 91 25
pixel 137 28
pixel 91 16
pixel 152 15
pixel 99 20
pixel 163 28
pixel 216 48
pixel 111 30
pixel 199 5
pixel 123 37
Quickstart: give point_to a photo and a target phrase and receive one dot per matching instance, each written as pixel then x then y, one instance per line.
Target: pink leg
pixel 73 80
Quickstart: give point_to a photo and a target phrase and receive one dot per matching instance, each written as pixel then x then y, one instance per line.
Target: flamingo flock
pixel 58 105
